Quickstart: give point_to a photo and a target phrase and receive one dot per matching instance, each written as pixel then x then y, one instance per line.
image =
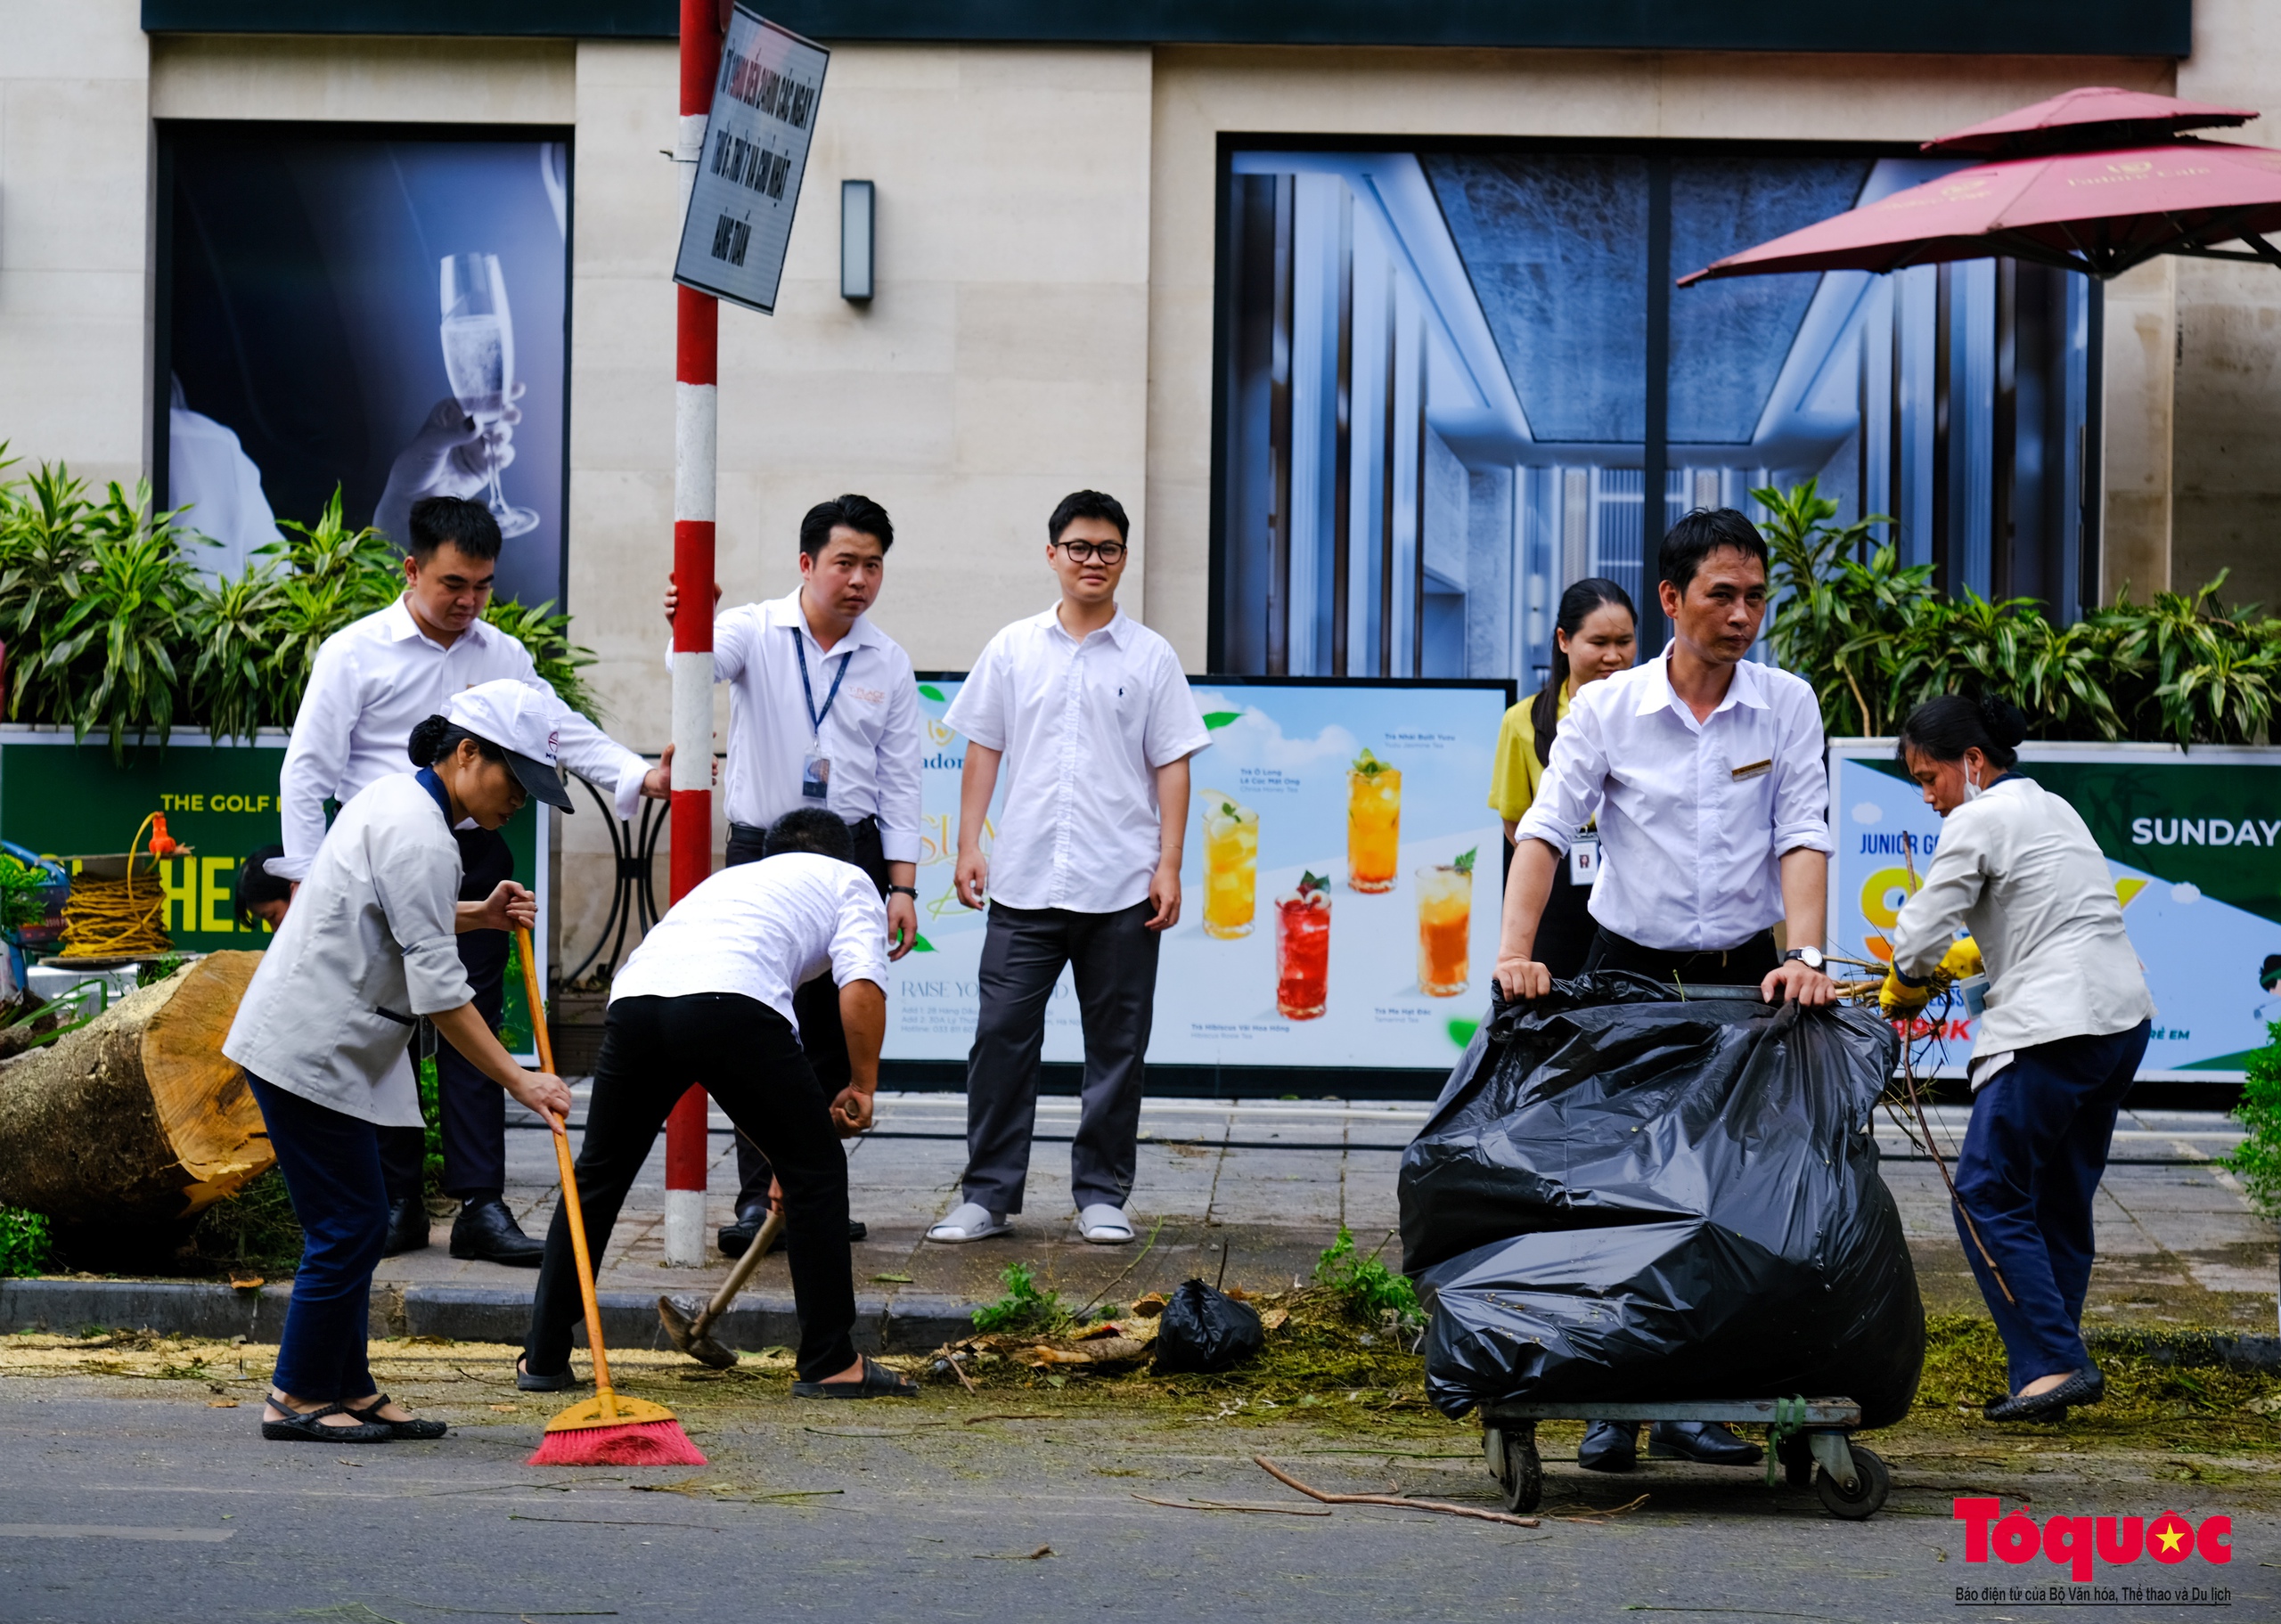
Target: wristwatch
pixel 1811 957
pixel 910 890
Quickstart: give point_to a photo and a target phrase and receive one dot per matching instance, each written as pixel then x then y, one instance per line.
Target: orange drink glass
pixel 1303 951
pixel 1231 865
pixel 1445 929
pixel 1373 823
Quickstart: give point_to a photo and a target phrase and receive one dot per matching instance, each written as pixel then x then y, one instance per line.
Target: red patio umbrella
pixel 2101 211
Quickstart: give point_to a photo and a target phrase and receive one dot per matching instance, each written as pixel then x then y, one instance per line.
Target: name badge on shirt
pixel 1756 770
pixel 1584 861
pixel 815 777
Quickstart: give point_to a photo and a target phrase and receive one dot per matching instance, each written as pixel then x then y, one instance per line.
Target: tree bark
pixel 137 1117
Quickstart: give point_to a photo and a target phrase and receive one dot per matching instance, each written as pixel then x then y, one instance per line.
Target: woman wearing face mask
pixel 2065 1024
pixel 1595 634
pixel 365 950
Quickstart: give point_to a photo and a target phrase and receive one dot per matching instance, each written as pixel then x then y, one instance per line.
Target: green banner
pixel 67 800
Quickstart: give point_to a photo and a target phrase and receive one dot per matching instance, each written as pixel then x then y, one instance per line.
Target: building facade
pixel 1364 310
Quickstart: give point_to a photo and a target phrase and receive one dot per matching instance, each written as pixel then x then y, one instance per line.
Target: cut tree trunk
pixel 137 1117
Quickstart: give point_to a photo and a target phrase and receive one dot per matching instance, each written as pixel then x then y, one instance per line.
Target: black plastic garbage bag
pixel 1626 1195
pixel 1204 1330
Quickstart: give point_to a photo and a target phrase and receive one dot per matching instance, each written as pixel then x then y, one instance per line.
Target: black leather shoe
pixel 407 1226
pixel 540 1380
pixel 733 1238
pixel 2086 1386
pixel 1701 1440
pixel 1609 1446
pixel 484 1231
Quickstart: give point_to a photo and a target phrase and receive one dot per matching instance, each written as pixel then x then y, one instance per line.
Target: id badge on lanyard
pixel 1584 859
pixel 816 766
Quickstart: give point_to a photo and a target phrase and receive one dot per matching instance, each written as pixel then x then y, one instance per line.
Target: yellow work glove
pixel 1897 997
pixel 1962 960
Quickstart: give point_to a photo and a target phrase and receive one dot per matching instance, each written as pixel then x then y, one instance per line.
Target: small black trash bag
pixel 1626 1195
pixel 1204 1330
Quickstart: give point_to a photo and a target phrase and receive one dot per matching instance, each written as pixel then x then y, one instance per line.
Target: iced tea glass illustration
pixel 1231 865
pixel 1303 951
pixel 1444 928
pixel 1373 823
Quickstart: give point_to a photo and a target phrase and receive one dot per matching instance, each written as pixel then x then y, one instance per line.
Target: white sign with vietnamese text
pixel 748 182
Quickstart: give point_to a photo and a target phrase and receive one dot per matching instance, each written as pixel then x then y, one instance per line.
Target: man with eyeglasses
pixel 823 712
pixel 1088 714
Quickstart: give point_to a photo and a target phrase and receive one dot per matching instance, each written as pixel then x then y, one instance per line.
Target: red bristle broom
pixel 605 1430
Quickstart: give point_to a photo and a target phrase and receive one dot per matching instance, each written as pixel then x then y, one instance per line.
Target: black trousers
pixel 1744 965
pixel 747 1057
pixel 473 1107
pixel 1114 957
pixel 816 1003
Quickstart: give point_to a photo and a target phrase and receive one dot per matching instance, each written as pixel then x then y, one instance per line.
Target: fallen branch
pixel 994 1415
pixel 1280 1511
pixel 1285 1478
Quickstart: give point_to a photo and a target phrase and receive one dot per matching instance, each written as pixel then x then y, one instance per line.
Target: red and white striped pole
pixel 697 332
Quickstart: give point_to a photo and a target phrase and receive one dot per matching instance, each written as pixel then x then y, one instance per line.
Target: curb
pixel 909 1323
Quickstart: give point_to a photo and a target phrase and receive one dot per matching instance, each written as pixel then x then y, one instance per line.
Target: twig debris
pixel 1285 1478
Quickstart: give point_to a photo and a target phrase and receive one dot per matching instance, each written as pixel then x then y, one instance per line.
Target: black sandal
pixel 307 1426
pixel 417 1427
pixel 876 1382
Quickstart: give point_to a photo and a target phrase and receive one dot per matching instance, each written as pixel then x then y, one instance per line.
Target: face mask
pixel 1972 790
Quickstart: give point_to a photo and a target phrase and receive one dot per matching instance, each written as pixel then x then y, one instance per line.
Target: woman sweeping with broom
pixel 2066 1022
pixel 366 950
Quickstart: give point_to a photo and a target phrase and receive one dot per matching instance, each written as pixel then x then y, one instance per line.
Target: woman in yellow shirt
pixel 1597 634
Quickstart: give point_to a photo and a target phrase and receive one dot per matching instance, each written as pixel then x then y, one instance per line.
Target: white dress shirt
pixel 2018 866
pixel 870 734
pixel 377 679
pixel 368 944
pixel 1083 727
pixel 760 929
pixel 1694 816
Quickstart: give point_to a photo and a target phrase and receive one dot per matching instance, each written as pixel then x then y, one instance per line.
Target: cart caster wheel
pixel 1797 1458
pixel 1874 1481
pixel 1521 1485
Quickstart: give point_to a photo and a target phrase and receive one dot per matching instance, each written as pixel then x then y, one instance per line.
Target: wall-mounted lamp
pixel 857 201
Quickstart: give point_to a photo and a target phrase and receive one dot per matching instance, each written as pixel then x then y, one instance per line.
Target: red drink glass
pixel 1302 953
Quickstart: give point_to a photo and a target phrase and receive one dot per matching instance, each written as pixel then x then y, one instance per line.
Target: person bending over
pixel 708 997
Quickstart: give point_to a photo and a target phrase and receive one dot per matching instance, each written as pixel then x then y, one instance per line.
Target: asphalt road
pixel 132 1502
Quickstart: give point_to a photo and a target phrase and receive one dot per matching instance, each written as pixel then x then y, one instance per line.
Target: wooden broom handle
pixel 573 1213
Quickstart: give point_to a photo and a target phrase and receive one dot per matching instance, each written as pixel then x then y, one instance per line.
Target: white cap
pixel 523 720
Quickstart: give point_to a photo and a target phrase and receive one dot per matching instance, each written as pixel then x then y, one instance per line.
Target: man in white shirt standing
pixel 709 996
pixel 1093 719
pixel 370 684
pixel 823 711
pixel 1704 771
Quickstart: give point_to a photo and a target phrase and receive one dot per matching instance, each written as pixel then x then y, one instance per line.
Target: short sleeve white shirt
pixel 1083 727
pixel 1694 816
pixel 760 929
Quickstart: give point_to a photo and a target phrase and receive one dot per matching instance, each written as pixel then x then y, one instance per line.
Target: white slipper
pixel 1104 1225
pixel 970 1221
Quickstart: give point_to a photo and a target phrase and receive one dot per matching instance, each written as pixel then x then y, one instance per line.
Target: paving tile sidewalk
pixel 1262 1187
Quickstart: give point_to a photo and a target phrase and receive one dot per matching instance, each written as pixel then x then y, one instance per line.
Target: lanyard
pixel 816 717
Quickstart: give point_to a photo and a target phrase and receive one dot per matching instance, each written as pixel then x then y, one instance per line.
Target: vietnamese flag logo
pixel 2170 1538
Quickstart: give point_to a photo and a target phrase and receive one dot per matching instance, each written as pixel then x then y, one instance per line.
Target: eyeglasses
pixel 1086 553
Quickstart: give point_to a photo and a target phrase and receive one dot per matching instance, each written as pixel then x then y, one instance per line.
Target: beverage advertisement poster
pixel 2193 839
pixel 1340 881
pixel 383 314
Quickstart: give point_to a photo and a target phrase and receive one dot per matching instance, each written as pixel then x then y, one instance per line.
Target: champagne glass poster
pixel 1340 879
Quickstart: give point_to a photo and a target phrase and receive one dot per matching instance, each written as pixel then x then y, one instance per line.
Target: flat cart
pixel 1812 1439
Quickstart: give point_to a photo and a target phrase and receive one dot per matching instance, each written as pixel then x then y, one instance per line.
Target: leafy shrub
pixel 24 1243
pixel 1024 1309
pixel 2257 1159
pixel 1876 639
pixel 110 626
pixel 1371 1291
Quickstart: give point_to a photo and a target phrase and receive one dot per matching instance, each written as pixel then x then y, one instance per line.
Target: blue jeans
pixel 2027 1175
pixel 332 1165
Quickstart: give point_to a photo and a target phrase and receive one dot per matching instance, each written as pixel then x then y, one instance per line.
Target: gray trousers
pixel 1114 957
